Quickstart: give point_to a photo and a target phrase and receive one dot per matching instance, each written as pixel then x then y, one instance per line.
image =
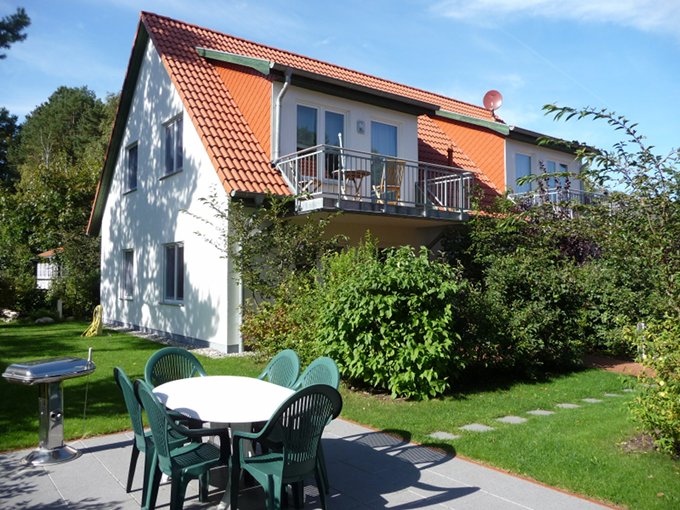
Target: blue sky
pixel 620 54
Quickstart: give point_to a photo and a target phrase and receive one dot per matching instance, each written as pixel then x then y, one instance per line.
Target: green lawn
pixel 575 449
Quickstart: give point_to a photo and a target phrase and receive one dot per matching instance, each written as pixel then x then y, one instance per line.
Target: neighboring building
pixel 47 269
pixel 202 111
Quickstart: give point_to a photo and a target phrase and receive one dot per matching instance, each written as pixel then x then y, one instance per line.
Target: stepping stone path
pixel 444 435
pixel 540 412
pixel 476 427
pixel 515 420
pixel 511 419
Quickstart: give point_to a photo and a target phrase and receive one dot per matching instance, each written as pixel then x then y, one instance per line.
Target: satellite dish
pixel 493 100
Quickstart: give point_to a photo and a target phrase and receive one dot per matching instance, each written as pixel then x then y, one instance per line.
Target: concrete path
pixel 367 470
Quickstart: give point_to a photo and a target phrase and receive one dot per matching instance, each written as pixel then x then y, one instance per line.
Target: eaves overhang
pixel 498 127
pixel 534 138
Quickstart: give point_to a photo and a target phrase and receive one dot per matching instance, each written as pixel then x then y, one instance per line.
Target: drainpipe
pixel 277 115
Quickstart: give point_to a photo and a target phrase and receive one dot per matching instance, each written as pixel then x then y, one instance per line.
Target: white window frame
pixel 532 162
pixel 128 167
pixel 321 111
pixel 176 294
pixel 127 284
pixel 175 128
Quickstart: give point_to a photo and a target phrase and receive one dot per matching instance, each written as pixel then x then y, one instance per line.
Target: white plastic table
pixel 224 399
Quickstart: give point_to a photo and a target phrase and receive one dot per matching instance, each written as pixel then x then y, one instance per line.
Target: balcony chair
pixel 142 441
pixel 171 363
pixel 291 437
pixel 388 189
pixel 283 369
pixel 322 370
pixel 184 463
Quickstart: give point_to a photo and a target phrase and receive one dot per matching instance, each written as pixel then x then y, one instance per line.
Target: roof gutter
pixel 277 114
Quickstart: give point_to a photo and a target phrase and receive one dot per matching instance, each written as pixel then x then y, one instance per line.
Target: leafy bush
pixel 388 323
pixel 287 322
pixel 657 406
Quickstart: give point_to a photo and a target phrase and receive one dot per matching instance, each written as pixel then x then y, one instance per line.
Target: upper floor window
pixel 552 168
pixel 173 150
pixel 306 127
pixel 522 169
pixel 173 284
pixel 127 286
pixel 383 139
pixel 131 167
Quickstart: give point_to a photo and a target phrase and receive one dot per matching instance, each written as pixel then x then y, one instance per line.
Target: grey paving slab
pixel 447 436
pixel 540 412
pixel 476 427
pixel 513 420
pixel 592 400
pixel 367 469
pixel 567 406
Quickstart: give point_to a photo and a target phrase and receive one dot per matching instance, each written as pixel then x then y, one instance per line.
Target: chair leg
pixel 298 494
pixel 321 463
pixel 203 484
pixel 178 489
pixel 133 464
pixel 320 485
pixel 235 475
pixel 154 482
pixel 148 463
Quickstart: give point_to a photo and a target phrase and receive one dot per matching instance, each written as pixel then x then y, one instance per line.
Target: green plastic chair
pixel 171 363
pixel 142 441
pixel 182 464
pixel 322 370
pixel 291 439
pixel 283 369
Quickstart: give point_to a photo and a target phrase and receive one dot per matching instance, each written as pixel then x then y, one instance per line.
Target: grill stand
pixel 51 448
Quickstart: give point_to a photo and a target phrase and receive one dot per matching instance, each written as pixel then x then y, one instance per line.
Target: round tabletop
pixel 223 398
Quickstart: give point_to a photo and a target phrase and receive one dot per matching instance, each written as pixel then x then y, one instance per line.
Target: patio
pixel 367 469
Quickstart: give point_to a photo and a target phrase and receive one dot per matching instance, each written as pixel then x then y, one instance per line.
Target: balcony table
pixel 356 176
pixel 224 399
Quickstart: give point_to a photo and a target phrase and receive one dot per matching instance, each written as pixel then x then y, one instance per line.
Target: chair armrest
pixel 245 435
pixel 221 431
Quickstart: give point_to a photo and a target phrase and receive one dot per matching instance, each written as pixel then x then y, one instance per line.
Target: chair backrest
pixel 169 364
pixel 295 428
pixel 159 423
pixel 283 369
pixel 322 370
pixel 394 172
pixel 132 404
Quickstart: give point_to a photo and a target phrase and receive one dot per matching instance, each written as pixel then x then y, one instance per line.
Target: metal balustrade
pixel 359 180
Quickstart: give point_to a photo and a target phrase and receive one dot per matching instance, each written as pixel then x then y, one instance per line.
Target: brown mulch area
pixel 618 365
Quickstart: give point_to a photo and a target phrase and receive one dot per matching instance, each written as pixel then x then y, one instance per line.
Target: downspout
pixel 277 115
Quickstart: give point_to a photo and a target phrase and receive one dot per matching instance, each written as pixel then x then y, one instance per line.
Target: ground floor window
pixel 127 287
pixel 174 273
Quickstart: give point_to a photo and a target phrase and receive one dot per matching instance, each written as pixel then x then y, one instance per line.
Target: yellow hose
pixel 95 329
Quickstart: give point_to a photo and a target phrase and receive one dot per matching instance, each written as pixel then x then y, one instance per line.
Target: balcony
pixel 562 200
pixel 327 177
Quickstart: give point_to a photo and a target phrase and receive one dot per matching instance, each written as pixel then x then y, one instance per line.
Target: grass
pixel 575 449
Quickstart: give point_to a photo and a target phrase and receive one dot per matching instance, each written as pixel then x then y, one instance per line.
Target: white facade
pixel 358 118
pixel 144 220
pixel 539 160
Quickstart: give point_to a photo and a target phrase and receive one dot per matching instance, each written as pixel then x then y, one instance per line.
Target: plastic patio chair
pixel 142 441
pixel 283 369
pixel 322 370
pixel 182 464
pixel 171 363
pixel 292 437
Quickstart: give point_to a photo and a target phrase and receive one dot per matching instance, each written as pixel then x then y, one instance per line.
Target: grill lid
pixel 48 370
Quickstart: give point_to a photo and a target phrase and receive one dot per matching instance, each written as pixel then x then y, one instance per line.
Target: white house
pixel 202 111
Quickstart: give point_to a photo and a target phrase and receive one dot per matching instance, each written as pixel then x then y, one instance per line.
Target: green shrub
pixel 286 322
pixel 657 405
pixel 388 323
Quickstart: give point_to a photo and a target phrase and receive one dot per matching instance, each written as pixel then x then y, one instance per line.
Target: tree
pixel 11 29
pixel 9 131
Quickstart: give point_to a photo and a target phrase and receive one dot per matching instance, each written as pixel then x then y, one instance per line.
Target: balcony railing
pixel 555 196
pixel 352 179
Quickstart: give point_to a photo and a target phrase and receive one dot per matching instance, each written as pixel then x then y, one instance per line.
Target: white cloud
pixel 648 15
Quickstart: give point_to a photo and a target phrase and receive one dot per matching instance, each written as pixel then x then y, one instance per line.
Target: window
pixel 306 127
pixel 174 273
pixel 383 139
pixel 131 170
pixel 551 168
pixel 127 289
pixel 522 169
pixel 334 129
pixel 174 153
